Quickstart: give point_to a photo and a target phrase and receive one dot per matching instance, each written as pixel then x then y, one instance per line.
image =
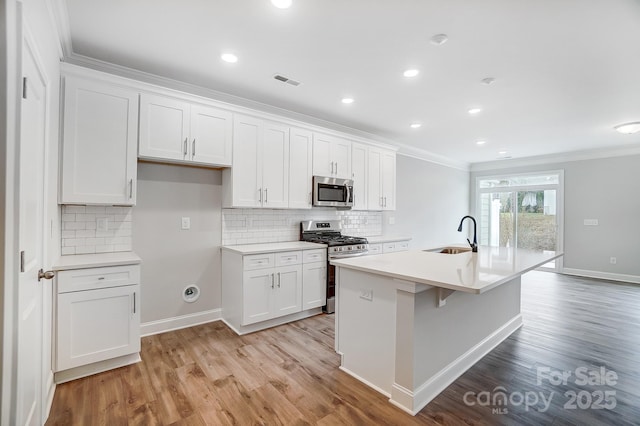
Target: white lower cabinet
pixel 267 289
pixel 97 319
pixel 394 246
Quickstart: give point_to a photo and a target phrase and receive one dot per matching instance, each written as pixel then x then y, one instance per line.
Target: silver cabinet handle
pixel 278 279
pixel 134 302
pixel 272 281
pixel 193 148
pixel 332 167
pixel 185 147
pixel 381 201
pixel 385 201
pixel 336 167
pixel 260 196
pixel 130 188
pixel 46 275
pixel 266 195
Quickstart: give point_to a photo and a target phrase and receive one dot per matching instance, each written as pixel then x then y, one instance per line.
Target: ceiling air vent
pixel 287 80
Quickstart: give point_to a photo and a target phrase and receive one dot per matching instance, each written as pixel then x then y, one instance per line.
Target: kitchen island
pixel 409 323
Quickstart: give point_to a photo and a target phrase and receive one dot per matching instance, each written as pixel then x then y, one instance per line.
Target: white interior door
pixel 31 241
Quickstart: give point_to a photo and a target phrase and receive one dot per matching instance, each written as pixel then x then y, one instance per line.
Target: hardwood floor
pixel 206 375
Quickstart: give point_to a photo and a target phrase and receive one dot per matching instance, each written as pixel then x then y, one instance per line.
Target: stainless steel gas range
pixel 329 232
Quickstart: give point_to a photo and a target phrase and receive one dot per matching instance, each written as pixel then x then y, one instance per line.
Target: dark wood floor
pixel 289 375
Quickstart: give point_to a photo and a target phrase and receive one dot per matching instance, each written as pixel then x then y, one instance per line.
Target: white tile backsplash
pixel 249 226
pixel 80 234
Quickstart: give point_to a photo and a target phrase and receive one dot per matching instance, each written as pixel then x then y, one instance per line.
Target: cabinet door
pixel 164 128
pixel 374 193
pixel 247 162
pixel 314 285
pixel 257 299
pixel 322 162
pixel 275 166
pixel 96 325
pixel 300 168
pixel 359 176
pixel 389 180
pixel 99 143
pixel 210 135
pixel 341 157
pixel 288 291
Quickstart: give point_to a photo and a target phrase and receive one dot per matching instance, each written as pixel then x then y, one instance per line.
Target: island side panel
pixel 365 327
pixel 435 345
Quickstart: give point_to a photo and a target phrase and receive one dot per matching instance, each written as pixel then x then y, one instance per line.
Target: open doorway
pixel 523 211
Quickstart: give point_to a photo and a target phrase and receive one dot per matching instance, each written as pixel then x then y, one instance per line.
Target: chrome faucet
pixel 474 245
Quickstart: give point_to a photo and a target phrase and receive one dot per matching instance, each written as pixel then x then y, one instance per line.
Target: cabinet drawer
pixel 94 278
pixel 402 245
pixel 375 248
pixel 388 247
pixel 316 255
pixel 258 261
pixel 289 258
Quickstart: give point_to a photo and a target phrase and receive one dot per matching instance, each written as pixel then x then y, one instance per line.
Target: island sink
pixel 450 250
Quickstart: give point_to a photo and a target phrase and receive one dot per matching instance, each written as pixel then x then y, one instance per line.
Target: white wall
pixel 607 189
pixel 173 258
pixel 430 201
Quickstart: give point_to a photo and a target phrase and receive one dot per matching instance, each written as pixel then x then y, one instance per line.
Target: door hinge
pixel 24 87
pixel 22 261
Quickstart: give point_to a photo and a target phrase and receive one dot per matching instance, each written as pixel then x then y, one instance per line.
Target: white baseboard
pixel 634 279
pixel 262 325
pixel 366 382
pixel 49 392
pixel 413 402
pixel 95 368
pixel 176 323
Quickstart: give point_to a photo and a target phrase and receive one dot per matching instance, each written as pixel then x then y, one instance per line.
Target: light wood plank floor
pixel 206 375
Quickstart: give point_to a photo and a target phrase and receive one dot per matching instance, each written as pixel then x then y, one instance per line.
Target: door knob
pixel 46 275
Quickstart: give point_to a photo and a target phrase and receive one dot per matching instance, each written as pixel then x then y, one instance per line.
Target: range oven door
pixel 332 192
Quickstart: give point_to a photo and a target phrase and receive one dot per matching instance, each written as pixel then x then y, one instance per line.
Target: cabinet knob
pixel 46 275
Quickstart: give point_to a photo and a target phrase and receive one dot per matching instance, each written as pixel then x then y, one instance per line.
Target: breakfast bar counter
pixel 409 323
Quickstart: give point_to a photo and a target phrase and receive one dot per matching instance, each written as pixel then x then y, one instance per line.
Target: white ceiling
pixel 566 71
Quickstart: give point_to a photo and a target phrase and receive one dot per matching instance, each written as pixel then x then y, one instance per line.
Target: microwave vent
pixel 287 80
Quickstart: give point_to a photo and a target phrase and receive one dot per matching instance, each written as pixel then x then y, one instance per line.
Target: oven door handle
pixel 344 256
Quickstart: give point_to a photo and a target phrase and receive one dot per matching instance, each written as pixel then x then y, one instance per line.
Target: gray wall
pixel 607 189
pixel 173 258
pixel 430 201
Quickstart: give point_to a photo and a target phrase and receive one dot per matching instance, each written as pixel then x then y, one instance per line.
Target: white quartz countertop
pixel 80 261
pixel 377 239
pixel 468 272
pixel 273 247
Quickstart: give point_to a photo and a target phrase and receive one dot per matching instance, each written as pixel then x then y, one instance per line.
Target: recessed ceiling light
pixel 481 142
pixel 628 128
pixel 488 81
pixel 347 100
pixel 229 57
pixel 439 39
pixel 411 73
pixel 502 152
pixel 474 111
pixel 416 125
pixel 281 4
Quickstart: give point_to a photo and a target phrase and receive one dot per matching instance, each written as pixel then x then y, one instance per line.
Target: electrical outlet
pixel 186 223
pixel 613 260
pixel 366 295
pixel 590 222
pixel 102 224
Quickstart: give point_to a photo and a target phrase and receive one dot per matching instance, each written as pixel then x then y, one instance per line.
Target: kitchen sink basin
pixel 450 250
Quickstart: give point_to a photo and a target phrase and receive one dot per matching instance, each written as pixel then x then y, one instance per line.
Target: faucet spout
pixel 474 245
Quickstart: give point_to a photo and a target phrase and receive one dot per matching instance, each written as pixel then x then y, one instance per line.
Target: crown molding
pixel 59 17
pixel 592 154
pixel 421 154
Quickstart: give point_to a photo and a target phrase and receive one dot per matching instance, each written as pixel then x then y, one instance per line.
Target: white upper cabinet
pixel 300 168
pixel 260 173
pixel 331 156
pixel 176 130
pixel 359 160
pixel 381 180
pixel 98 160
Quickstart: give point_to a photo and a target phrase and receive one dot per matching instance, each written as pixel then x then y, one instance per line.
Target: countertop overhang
pixel 468 272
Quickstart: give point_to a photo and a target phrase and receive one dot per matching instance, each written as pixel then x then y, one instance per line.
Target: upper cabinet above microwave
pixel 331 156
pixel 99 139
pixel 177 131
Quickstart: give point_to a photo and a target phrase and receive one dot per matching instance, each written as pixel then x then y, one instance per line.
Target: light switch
pixel 186 223
pixel 591 222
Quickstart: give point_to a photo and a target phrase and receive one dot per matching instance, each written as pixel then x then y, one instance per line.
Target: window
pixel 523 211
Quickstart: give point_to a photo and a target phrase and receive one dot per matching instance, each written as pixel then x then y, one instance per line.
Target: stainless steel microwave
pixel 332 192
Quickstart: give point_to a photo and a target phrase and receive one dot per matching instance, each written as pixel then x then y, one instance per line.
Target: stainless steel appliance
pixel 332 192
pixel 329 232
